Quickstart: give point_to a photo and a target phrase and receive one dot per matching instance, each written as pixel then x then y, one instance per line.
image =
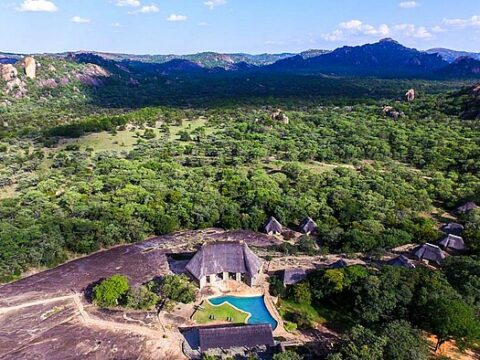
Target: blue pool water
pixel 253 305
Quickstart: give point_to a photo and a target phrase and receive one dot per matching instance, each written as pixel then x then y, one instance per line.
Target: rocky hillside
pixel 470 99
pixel 41 76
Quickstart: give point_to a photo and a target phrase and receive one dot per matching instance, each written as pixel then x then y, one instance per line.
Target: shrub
pixel 302 294
pixel 142 297
pixel 290 326
pixel 109 292
pixel 178 288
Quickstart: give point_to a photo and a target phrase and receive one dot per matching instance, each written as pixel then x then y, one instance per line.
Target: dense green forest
pixel 83 168
pixel 370 181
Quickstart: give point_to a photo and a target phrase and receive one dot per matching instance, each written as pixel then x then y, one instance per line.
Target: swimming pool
pixel 253 305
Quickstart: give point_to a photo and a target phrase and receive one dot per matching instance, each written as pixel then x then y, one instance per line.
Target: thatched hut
pixel 467 207
pixel 222 261
pixel 401 261
pixel 430 253
pixel 453 228
pixel 293 276
pixel 452 242
pixel 273 226
pixel 308 226
pixel 228 337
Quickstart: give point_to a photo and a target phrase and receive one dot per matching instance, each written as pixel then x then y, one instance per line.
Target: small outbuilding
pixel 467 207
pixel 273 226
pixel 340 264
pixel 401 261
pixel 221 261
pixel 452 242
pixel 453 228
pixel 228 337
pixel 430 253
pixel 308 226
pixel 293 276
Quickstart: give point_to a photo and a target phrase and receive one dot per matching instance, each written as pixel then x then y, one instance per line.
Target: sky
pixel 252 26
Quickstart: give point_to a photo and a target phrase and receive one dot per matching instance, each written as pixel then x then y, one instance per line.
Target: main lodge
pixel 222 261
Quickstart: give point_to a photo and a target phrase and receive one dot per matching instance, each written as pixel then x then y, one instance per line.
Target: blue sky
pixel 255 26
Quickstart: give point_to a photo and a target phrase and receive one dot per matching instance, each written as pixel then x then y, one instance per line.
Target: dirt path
pixel 112 325
pixel 34 303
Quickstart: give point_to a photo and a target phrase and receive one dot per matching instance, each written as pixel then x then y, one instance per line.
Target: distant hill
pixel 463 67
pixel 207 60
pixel 384 58
pixel 452 55
pixel 8 58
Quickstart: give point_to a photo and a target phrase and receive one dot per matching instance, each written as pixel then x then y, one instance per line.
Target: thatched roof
pixel 452 242
pixel 273 226
pixel 340 264
pixel 431 253
pixel 249 336
pixel 467 207
pixel 401 261
pixel 453 228
pixel 293 276
pixel 215 258
pixel 308 226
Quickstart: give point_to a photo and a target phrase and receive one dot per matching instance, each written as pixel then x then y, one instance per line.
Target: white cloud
pixel 409 4
pixel 116 24
pixel 176 18
pixel 128 3
pixel 410 30
pixel 146 9
pixel 356 27
pixel 474 22
pixel 80 20
pixel 38 6
pixel 438 29
pixel 203 23
pixel 350 25
pixel 335 35
pixel 212 4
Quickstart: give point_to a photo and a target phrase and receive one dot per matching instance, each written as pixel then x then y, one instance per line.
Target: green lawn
pixel 221 313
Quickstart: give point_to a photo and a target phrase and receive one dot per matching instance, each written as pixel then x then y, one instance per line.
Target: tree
pixel 301 293
pixel 362 344
pixel 404 342
pixel 178 288
pixel 287 355
pixel 276 286
pixel 142 297
pixel 452 319
pixel 463 273
pixel 109 292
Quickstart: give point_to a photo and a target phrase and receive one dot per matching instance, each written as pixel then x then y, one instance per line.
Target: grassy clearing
pixel 125 140
pixel 320 315
pixel 221 313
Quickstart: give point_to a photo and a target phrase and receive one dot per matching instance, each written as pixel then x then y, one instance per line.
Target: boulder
pixel 279 115
pixel 91 74
pixel 410 95
pixel 30 67
pixel 47 83
pixel 8 72
pixel 391 112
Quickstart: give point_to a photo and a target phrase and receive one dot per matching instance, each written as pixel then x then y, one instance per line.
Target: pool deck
pixel 232 288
